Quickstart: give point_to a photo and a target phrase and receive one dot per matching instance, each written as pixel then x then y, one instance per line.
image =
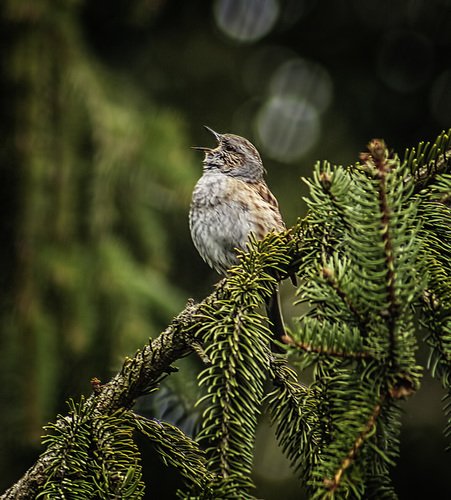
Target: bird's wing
pixel 269 204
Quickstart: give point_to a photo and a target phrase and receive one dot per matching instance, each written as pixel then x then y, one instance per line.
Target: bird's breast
pixel 210 190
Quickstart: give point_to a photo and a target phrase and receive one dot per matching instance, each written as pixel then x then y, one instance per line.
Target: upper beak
pixel 217 137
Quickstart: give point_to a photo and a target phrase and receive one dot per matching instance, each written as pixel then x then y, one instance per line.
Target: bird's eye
pixel 229 147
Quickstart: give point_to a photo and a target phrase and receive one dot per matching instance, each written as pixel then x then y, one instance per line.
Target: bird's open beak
pixel 201 148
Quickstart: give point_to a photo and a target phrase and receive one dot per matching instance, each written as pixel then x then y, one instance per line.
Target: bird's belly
pixel 218 231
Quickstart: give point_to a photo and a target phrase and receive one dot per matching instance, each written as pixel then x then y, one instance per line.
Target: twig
pixel 303 346
pixel 333 484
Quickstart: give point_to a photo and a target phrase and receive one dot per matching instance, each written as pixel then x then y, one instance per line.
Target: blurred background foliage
pixel 101 101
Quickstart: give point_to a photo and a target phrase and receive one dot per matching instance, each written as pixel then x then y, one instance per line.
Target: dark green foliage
pixel 430 165
pixel 96 456
pixel 294 410
pixel 176 449
pixel 236 342
pixel 435 211
pixel 360 283
pixel 70 438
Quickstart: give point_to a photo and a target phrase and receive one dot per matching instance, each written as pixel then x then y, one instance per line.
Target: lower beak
pixel 200 148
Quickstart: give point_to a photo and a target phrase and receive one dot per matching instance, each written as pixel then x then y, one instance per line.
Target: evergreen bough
pixel 373 258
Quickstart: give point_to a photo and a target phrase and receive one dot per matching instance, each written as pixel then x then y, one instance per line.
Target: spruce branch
pixel 333 484
pixel 178 450
pixel 329 275
pixel 309 348
pixel 435 306
pixel 236 341
pixel 427 161
pixel 377 159
pixel 114 465
pixel 294 411
pixel 358 332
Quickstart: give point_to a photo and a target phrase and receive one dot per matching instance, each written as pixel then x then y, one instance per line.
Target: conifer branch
pixel 293 408
pixel 425 175
pixel 377 158
pixel 236 340
pixel 309 348
pixel 140 374
pixel 333 484
pixel 326 179
pixel 329 275
pixel 427 161
pixel 176 449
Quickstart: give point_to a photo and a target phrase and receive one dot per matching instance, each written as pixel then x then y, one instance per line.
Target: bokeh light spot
pixel 246 20
pixel 288 123
pixel 287 127
pixel 304 80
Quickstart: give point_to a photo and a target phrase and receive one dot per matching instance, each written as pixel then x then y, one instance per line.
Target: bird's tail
pixel 274 311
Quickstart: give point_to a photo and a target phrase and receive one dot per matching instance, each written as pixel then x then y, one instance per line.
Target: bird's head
pixel 234 156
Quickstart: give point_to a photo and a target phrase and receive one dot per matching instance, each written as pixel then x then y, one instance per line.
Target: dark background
pixel 100 103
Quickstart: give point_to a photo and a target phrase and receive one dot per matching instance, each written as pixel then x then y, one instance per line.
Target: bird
pixel 231 201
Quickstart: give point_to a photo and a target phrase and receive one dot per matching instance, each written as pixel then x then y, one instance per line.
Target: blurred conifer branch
pixel 83 232
pixel 373 249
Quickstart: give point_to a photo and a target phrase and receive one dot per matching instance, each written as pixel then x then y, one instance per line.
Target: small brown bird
pixel 230 201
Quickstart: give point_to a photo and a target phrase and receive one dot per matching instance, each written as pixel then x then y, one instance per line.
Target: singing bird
pixel 230 202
